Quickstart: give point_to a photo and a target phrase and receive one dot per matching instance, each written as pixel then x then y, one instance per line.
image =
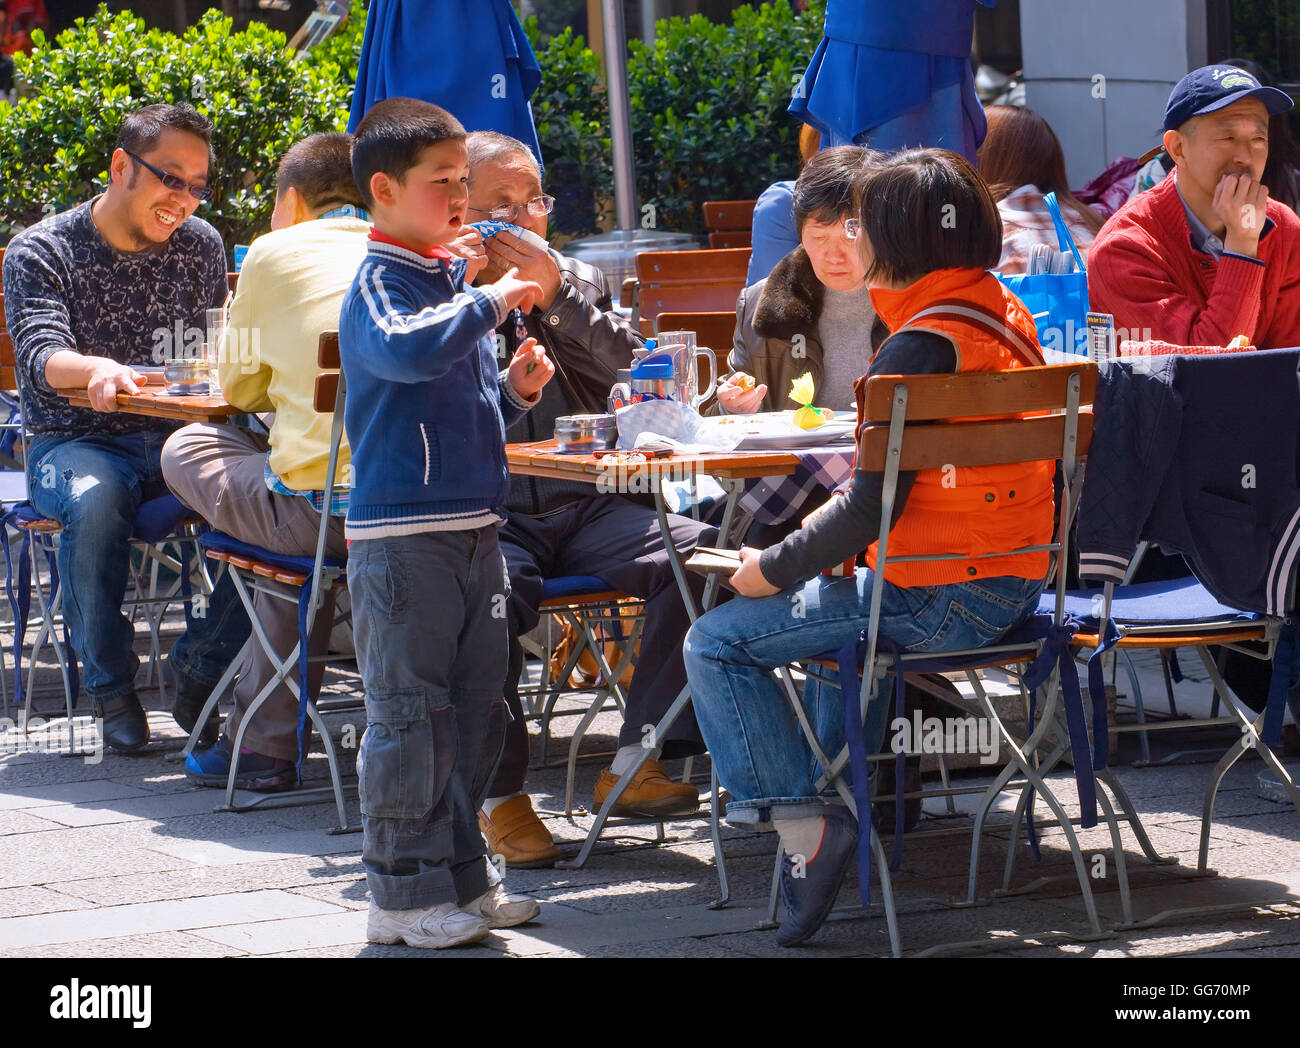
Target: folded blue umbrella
pixel 893 75
pixel 469 56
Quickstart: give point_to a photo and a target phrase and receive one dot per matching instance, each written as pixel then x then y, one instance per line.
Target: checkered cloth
pixel 772 500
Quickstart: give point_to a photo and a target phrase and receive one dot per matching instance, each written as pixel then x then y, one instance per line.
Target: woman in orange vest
pixel 929 230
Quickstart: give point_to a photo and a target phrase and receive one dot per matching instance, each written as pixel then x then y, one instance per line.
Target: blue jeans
pixel 429 615
pixel 752 734
pixel 93 485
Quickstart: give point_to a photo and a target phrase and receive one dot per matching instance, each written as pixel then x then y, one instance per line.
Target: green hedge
pixel 709 118
pixel 56 141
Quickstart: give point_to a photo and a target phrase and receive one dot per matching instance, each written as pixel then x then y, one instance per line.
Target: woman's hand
pixel 749 580
pixel 820 510
pixel 738 394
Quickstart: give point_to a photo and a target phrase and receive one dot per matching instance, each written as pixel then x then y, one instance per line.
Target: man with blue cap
pixel 1205 256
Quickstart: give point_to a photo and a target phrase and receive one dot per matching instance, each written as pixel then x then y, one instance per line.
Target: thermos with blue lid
pixel 654 378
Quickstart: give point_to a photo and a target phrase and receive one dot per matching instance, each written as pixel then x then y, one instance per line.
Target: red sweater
pixel 1144 270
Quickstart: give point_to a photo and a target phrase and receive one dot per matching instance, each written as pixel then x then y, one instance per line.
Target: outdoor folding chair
pixel 1164 616
pixel 595 613
pixel 934 422
pixel 303 582
pixel 159 523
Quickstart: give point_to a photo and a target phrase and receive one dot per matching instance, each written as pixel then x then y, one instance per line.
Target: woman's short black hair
pixel 827 189
pixel 928 209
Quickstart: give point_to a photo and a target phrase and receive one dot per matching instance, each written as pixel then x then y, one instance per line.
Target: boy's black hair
pixel 393 134
pixel 828 186
pixel 141 129
pixel 319 167
pixel 928 209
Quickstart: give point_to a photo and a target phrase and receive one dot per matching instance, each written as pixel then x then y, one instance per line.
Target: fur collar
pixel 791 301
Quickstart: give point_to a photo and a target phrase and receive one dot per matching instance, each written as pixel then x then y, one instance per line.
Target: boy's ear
pixel 381 188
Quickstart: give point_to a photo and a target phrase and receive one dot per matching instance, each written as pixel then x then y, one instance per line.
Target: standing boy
pixel 424 417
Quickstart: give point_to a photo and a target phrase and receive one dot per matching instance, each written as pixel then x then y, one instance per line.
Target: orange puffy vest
pixel 969 510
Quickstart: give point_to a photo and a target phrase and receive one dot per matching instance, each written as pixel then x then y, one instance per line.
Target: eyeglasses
pixel 852 228
pixel 537 207
pixel 173 183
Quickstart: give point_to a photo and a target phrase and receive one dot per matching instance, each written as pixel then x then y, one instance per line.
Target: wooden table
pixel 730 470
pixel 153 401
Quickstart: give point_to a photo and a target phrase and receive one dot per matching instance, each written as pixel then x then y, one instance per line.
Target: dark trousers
pixel 618 541
pixel 429 644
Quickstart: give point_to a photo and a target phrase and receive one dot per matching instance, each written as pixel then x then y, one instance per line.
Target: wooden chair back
pixel 729 222
pixel 713 329
pixel 327 382
pixel 952 420
pixel 689 282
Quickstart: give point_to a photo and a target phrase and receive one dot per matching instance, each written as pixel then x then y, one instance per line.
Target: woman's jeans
pixel 753 736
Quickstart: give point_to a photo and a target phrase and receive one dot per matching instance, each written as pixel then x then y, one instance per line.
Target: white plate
pixel 776 431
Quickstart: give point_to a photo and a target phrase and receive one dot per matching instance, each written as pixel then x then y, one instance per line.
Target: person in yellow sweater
pixel 266 491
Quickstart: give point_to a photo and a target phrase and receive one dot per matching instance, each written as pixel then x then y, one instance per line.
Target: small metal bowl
pixel 584 434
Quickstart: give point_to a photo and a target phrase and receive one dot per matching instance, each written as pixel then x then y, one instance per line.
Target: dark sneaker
pixel 190 697
pixel 125 726
pixel 808 888
pixel 211 767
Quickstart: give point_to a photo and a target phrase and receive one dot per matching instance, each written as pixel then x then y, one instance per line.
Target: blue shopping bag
pixel 1058 301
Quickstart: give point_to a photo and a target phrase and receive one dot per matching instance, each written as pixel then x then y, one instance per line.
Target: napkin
pixel 674 424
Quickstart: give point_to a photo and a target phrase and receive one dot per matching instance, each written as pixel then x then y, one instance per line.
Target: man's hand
pixel 517 291
pixel 530 369
pixel 505 251
pixel 469 246
pixel 107 380
pixel 749 580
pixel 1241 203
pixel 739 396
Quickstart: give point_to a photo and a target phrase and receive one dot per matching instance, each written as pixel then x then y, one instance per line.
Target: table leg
pixel 733 488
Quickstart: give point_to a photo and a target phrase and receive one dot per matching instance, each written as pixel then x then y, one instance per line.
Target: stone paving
pixel 123 857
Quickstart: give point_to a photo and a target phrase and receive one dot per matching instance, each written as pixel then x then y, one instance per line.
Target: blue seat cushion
pixel 220 542
pixel 1149 604
pixel 158 518
pixel 155 520
pixel 572 586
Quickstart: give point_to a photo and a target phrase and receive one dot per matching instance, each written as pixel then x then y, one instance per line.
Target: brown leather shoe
pixel 651 793
pixel 514 832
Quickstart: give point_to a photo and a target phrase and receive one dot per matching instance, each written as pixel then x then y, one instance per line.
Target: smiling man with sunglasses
pixel 92 294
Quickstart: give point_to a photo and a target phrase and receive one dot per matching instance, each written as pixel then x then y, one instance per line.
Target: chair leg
pixel 1143 736
pixel 1249 739
pixel 715 835
pixel 774 894
pixel 593 835
pixel 1107 776
pixel 1036 781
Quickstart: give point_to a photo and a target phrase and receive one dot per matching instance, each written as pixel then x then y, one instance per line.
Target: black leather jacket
pixel 589 342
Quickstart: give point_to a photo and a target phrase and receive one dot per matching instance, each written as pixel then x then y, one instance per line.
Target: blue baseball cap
pixel 1213 87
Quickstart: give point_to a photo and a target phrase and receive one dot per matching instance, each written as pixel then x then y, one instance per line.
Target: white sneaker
pixel 427 928
pixel 501 910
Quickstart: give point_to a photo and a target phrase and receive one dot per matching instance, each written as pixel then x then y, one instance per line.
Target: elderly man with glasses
pixel 556 528
pixel 91 295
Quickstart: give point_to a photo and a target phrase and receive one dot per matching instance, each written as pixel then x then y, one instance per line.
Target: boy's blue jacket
pixel 425 403
pixel 1200 454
